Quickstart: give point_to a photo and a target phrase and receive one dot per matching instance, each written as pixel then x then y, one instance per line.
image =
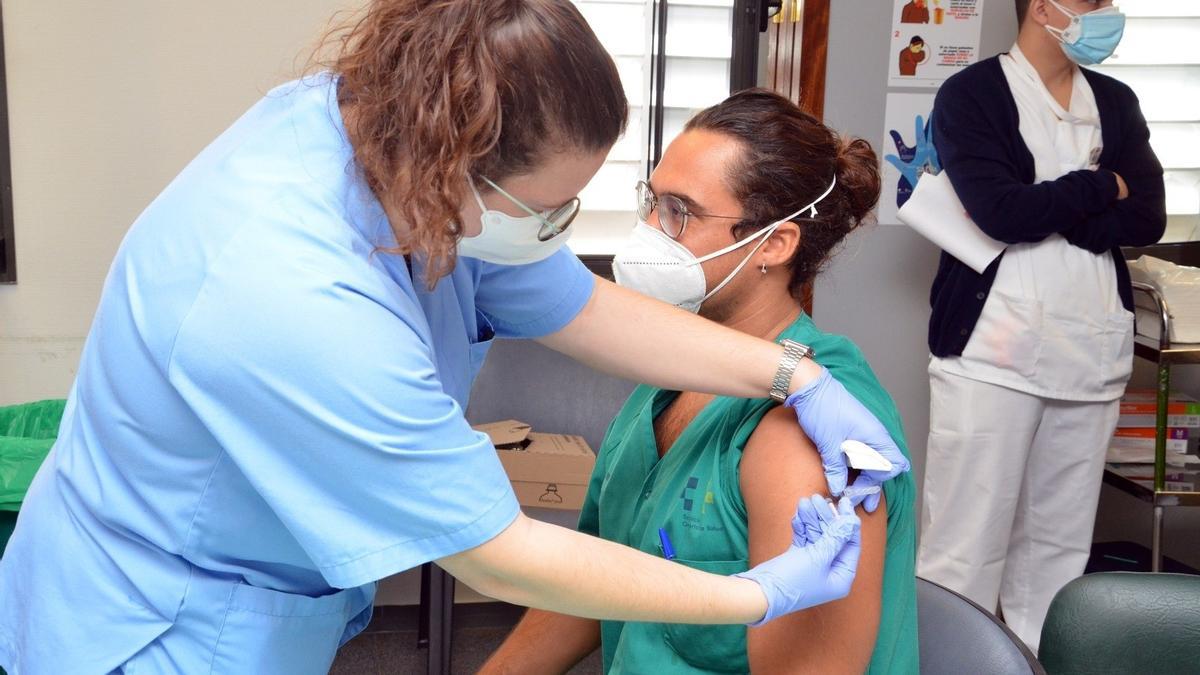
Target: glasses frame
pixel 648 203
pixel 554 223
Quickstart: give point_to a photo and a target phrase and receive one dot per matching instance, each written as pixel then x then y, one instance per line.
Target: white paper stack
pixel 936 213
pixel 1180 288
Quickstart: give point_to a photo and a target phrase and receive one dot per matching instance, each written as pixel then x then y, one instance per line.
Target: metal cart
pixel 1164 354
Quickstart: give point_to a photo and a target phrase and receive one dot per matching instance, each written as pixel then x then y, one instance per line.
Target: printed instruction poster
pixel 932 40
pixel 907 151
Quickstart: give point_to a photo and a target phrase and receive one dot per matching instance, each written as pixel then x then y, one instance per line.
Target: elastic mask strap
pixel 735 271
pixel 478 199
pixel 1060 33
pixel 768 230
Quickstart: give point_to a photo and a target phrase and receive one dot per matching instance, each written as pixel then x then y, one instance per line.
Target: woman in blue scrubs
pixel 268 413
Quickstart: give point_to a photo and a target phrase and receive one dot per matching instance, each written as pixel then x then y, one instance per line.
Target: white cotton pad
pixel 864 457
pixel 853 491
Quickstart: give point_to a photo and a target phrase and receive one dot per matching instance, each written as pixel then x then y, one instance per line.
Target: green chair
pixel 1124 622
pixel 26 433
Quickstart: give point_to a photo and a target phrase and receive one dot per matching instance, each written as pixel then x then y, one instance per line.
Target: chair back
pixel 1124 622
pixel 958 636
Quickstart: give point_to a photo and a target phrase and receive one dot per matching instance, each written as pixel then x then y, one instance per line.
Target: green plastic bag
pixel 26 433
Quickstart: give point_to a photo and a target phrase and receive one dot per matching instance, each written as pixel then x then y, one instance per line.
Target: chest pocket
pixel 713 649
pixel 267 631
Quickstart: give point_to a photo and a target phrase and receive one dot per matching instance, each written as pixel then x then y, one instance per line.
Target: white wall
pixel 107 101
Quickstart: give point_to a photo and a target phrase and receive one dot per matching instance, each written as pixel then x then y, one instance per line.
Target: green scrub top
pixel 693 493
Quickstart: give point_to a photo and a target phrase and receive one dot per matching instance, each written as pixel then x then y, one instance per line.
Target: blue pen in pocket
pixel 668 550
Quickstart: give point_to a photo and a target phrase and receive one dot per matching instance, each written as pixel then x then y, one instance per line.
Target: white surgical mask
pixel 656 265
pixel 509 240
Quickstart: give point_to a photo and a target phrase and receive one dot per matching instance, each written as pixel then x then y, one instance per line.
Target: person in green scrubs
pixel 711 482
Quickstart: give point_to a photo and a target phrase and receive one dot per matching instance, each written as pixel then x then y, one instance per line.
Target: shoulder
pixel 977 81
pixel 1109 86
pixel 621 425
pixel 836 352
pixel 779 460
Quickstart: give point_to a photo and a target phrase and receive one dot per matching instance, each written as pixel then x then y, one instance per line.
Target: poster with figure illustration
pixel 932 40
pixel 907 151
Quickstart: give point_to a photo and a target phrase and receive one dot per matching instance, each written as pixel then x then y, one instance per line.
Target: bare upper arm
pixel 780 466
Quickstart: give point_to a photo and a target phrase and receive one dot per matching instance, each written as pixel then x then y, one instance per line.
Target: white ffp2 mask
pixel 508 240
pixel 656 265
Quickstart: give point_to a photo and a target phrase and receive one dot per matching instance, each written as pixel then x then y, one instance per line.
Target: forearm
pixel 535 564
pixel 989 182
pixel 1015 213
pixel 544 642
pixel 634 337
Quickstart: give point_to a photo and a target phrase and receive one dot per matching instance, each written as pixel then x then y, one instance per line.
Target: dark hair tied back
pixel 789 159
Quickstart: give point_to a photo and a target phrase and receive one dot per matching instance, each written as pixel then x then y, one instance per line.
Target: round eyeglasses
pixel 554 222
pixel 673 214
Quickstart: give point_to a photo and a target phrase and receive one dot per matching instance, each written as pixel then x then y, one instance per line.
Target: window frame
pixel 8 249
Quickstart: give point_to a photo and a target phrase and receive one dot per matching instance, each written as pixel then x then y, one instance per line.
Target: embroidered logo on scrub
pixel 691 485
pixel 688 502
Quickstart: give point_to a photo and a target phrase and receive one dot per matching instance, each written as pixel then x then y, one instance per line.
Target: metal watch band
pixel 793 353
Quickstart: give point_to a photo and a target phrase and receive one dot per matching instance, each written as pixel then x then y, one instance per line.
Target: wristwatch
pixel 793 353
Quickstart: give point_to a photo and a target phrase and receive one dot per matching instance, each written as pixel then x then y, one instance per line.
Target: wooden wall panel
pixel 797 48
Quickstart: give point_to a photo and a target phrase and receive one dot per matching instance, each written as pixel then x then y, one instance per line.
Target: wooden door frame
pixel 797 56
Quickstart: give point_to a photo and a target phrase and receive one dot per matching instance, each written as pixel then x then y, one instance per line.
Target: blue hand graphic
pixel 913 161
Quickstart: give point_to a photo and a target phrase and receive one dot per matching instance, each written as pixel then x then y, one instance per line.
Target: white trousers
pixel 1012 481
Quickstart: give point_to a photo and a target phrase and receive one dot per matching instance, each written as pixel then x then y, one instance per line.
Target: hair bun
pixel 858 177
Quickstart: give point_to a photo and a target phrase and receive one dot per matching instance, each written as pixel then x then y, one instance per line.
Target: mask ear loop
pixel 765 233
pixel 737 269
pixel 812 213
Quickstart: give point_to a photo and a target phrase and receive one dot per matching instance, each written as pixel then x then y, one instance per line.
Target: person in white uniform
pixel 268 412
pixel 1031 357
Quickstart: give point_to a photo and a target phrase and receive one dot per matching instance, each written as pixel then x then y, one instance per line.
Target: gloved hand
pixel 820 564
pixel 830 415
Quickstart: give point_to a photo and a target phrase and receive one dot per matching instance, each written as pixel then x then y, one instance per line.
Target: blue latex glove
pixel 830 415
pixel 912 161
pixel 820 564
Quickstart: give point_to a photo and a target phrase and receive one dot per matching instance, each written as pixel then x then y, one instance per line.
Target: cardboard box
pixel 546 470
pixel 1179 440
pixel 1139 408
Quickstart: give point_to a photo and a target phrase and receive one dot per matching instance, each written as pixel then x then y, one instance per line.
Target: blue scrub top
pixel 267 418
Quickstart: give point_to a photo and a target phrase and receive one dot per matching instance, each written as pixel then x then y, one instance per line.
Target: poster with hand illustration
pixel 907 151
pixel 932 40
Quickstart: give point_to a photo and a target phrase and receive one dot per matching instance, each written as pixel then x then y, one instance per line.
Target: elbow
pixel 1148 234
pixel 491 567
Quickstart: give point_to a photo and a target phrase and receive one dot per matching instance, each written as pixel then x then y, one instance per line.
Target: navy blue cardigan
pixel 978 140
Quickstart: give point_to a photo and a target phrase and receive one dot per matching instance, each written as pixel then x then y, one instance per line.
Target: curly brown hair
pixel 436 91
pixel 789 158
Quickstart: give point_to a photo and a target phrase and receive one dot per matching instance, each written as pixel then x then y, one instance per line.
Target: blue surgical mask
pixel 1092 37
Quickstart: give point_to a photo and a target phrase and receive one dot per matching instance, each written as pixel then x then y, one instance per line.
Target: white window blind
pixel 1159 57
pixel 698 49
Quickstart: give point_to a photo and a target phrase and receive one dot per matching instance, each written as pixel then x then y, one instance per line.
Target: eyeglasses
pixel 554 222
pixel 673 214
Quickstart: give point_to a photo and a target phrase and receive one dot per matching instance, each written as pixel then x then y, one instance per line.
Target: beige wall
pixel 107 102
